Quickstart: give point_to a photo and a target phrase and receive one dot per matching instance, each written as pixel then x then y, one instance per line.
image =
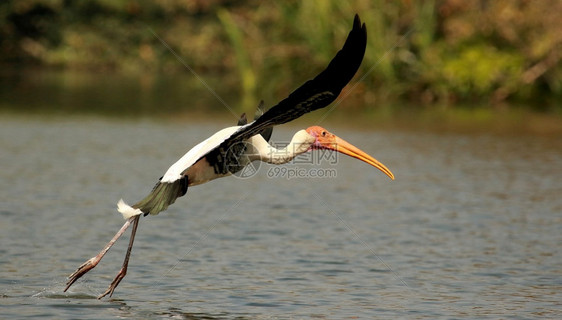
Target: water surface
pixel 470 228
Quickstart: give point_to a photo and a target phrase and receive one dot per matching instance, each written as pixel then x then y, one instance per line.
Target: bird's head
pixel 327 140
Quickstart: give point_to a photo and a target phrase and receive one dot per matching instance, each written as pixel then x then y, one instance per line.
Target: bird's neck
pixel 300 143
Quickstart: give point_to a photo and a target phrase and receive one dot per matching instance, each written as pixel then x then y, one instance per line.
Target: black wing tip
pixel 357 25
pixel 359 28
pixel 243 120
pixel 347 61
pixel 357 21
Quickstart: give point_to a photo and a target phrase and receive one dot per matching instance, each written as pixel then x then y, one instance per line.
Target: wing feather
pixel 312 95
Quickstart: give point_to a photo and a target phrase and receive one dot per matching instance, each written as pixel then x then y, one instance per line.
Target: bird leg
pixel 123 270
pixel 93 262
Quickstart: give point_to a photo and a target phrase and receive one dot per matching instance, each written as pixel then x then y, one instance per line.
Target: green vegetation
pixel 451 53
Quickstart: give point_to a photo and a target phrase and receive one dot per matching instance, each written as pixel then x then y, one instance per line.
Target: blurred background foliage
pixel 452 53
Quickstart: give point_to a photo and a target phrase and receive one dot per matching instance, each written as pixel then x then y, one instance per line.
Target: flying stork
pixel 231 149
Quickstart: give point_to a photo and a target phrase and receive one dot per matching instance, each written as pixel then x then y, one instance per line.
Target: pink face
pixel 324 139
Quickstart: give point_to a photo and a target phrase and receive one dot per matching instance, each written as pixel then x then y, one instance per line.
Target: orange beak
pixel 327 140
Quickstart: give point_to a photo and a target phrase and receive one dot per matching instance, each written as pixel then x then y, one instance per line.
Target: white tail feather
pixel 126 210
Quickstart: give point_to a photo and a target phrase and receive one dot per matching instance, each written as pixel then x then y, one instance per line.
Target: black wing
pixel 312 95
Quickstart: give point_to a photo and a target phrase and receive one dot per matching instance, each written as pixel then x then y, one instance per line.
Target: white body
pixel 258 149
pixel 175 171
pixel 200 171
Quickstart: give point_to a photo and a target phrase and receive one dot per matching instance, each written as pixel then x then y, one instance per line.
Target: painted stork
pixel 229 150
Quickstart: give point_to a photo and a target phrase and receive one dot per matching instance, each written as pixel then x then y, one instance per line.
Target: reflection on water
pixel 70 92
pixel 470 228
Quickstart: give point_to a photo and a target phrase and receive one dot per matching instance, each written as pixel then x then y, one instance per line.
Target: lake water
pixel 470 229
